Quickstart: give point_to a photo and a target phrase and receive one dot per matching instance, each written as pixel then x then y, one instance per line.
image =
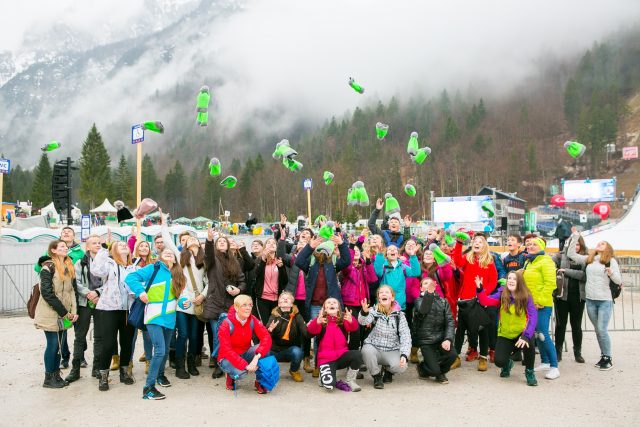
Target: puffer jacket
pixel 218 299
pixel 355 281
pixel 232 345
pixel 297 331
pixel 389 333
pixel 395 276
pixel 434 326
pixel 540 278
pixel 114 294
pixel 333 342
pixel 573 271
pixel 57 297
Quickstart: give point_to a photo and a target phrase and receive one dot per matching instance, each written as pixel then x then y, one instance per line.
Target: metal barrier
pixel 16 282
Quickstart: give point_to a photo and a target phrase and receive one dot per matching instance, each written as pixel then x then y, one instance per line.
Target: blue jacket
pixel 303 261
pixel 396 276
pixel 161 309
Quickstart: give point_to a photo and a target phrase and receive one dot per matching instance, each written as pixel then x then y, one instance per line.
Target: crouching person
pixel 386 350
pixel 237 357
pixel 433 332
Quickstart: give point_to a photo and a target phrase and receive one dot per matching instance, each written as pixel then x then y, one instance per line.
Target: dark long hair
pixel 521 295
pixel 228 262
pixel 185 257
pixel 178 281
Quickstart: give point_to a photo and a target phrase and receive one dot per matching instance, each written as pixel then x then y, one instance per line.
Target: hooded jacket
pixel 435 325
pixel 297 331
pixel 355 281
pixel 233 345
pixel 395 275
pixel 389 332
pixel 540 278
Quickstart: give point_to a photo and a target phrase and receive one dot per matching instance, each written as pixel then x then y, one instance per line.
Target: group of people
pixel 323 301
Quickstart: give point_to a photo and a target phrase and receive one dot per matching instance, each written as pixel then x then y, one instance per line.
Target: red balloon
pixel 603 209
pixel 558 200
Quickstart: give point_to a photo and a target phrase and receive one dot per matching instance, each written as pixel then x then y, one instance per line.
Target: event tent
pixel 105 207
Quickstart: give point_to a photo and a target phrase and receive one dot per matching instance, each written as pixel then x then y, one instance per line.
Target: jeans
pixel 505 347
pixel 215 342
pixel 160 339
pixel 436 359
pixel 292 354
pixel 599 313
pixel 187 326
pixel 232 371
pixel 572 310
pixel 314 310
pixel 546 346
pixel 146 344
pixel 375 358
pixel 52 351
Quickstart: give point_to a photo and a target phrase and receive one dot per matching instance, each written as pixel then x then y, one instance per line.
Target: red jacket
pixel 233 345
pixel 334 342
pixel 489 274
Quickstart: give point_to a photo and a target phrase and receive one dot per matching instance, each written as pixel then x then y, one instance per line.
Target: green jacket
pixel 540 278
pixel 75 253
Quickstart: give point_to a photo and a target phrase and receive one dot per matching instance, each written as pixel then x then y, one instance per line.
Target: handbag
pixel 198 310
pixel 136 312
pixel 32 302
pixel 474 314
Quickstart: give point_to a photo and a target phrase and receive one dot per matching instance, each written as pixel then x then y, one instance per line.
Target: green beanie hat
pixel 327 177
pixel 575 149
pixel 488 208
pixel 214 167
pixel 391 205
pixel 229 182
pixel 412 146
pixel 421 155
pixel 327 248
pixel 410 190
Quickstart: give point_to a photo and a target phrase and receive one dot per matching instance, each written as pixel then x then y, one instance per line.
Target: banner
pixel 590 190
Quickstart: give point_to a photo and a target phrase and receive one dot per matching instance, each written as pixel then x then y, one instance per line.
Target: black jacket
pixel 293 271
pixel 218 299
pixel 434 326
pixel 297 332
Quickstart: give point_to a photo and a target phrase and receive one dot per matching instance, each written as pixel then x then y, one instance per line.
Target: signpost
pixel 5 168
pixel 137 138
pixel 85 227
pixel 307 185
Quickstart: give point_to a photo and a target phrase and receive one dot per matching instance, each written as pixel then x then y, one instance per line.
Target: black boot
pixel 125 378
pixel 103 384
pixel 74 373
pixel 50 381
pixel 180 371
pixel 387 377
pixel 377 381
pixel 191 364
pixel 95 372
pixel 172 358
pixel 57 377
pixel 577 354
pixel 217 372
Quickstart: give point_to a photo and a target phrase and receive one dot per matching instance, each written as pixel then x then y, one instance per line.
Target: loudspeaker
pixel 503 223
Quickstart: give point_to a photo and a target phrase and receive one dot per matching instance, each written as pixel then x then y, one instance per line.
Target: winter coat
pixel 289 260
pixel 395 276
pixel 389 237
pixel 489 274
pixel 260 266
pixel 412 289
pixel 573 271
pixel 233 345
pixel 333 341
pixel 540 278
pixel 388 333
pixel 445 279
pixel 75 252
pixel 114 294
pixel 218 299
pixel 57 297
pixel 303 261
pixel 434 326
pixel 510 324
pixel 297 331
pixel 161 309
pixel 86 281
pixel 355 281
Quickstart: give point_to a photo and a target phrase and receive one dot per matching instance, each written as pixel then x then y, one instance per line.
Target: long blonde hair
pixel 116 256
pixel 381 309
pixel 65 267
pixel 605 256
pixel 484 258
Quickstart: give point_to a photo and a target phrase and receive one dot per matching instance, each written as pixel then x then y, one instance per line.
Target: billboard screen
pixel 462 211
pixel 594 190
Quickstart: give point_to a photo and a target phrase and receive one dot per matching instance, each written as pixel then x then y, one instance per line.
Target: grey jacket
pixel 387 334
pixel 84 282
pixel 572 270
pixel 597 280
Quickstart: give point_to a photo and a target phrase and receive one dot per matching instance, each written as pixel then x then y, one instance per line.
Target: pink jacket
pixel 131 242
pixel 413 284
pixel 354 283
pixel 333 343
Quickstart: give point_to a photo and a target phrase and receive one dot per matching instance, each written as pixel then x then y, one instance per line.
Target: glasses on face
pixel 247 305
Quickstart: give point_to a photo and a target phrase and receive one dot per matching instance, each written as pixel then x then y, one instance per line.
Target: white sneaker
pixel 542 367
pixel 552 374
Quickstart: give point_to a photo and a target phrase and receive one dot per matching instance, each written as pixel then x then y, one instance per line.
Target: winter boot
pixel 217 372
pixel 482 363
pixel 377 381
pixel 95 371
pixel 115 362
pixel 531 377
pixel 387 377
pixel 296 376
pixel 472 354
pixel 74 373
pixel 413 357
pixel 103 384
pixel 307 365
pixel 50 382
pixel 191 364
pixel 231 384
pixel 143 358
pixel 57 377
pixel 577 354
pixel 506 369
pixel 130 370
pixel 172 358
pixel 351 379
pixel 125 378
pixel 180 371
pixel 559 354
pixel 259 388
pixel 456 363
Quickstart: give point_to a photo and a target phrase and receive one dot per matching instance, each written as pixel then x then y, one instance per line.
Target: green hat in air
pixel 391 204
pixel 412 146
pixel 381 130
pixel 214 167
pixel 229 182
pixel 202 106
pixel 410 190
pixel 326 231
pixel 575 149
pixel 156 127
pixel 488 208
pixel 440 257
pixel 360 194
pixel 292 164
pixel 355 86
pixel 53 145
pixel 327 177
pixel 421 155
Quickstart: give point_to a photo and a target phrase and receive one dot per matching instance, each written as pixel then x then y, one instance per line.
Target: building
pixel 509 209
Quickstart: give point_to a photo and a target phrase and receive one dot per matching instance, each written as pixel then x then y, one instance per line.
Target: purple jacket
pixel 354 283
pixel 508 322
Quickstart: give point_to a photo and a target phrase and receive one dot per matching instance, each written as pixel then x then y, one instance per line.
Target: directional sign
pixel 307 184
pixel 5 166
pixel 137 134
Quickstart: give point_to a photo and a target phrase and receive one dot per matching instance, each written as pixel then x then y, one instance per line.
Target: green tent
pixel 182 220
pixel 200 219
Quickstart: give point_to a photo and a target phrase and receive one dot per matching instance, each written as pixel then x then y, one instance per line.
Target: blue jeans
pixel 314 310
pixel 187 325
pixel 599 313
pixel 292 354
pixel 52 351
pixel 160 339
pixel 235 373
pixel 146 344
pixel 547 348
pixel 215 342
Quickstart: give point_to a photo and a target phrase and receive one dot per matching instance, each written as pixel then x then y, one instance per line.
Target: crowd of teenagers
pixel 321 301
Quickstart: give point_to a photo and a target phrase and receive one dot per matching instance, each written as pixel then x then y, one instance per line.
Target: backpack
pixel 375 320
pixel 386 236
pixel 232 327
pixel 35 294
pixel 615 289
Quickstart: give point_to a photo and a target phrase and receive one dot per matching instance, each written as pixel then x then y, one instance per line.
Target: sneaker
pixel 531 377
pixel 542 367
pixel 600 362
pixel 505 372
pixel 259 388
pixel 492 356
pixel 456 363
pixel 296 376
pixel 606 364
pixel 442 379
pixel 482 364
pixel 553 374
pixel 231 384
pixel 163 381
pixel 472 354
pixel 151 393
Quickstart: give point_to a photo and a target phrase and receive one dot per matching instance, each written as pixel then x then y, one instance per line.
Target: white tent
pixel 47 209
pixel 105 207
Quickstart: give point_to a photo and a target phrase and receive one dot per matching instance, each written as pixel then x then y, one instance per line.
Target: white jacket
pixel 114 294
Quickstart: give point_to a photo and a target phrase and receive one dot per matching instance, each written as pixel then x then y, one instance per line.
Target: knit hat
pixel 440 257
pixel 53 145
pixel 421 155
pixel 357 195
pixel 395 215
pixel 488 208
pixel 326 248
pixel 326 231
pixel 381 130
pixel 410 190
pixel 327 177
pixel 229 182
pixel 391 205
pixel 292 164
pixel 412 146
pixel 575 149
pixel 214 167
pixel 156 127
pixel 319 219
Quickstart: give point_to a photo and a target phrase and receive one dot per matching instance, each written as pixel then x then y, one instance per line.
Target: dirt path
pixel 581 396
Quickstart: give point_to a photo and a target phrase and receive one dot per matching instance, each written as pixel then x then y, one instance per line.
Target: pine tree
pixel 95 169
pixel 41 190
pixel 451 130
pixel 7 185
pixel 123 183
pixel 572 103
pixel 150 183
pixel 175 190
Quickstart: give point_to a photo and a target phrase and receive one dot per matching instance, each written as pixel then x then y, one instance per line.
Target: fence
pixel 17 280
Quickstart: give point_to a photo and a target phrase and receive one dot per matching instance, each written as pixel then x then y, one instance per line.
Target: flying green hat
pixel 326 231
pixel 410 190
pixel 412 147
pixel 283 149
pixel 391 205
pixel 214 167
pixel 440 257
pixel 575 149
pixel 202 106
pixel 421 155
pixel 328 177
pixel 292 164
pixel 53 145
pixel 355 86
pixel 229 182
pixel 381 130
pixel 156 127
pixel 320 219
pixel 488 208
pixel 359 194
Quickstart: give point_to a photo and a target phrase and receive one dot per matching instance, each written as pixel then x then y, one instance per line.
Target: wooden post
pixel 309 205
pixel 138 185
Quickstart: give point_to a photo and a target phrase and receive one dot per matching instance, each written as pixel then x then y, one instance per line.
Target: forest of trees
pixel 514 143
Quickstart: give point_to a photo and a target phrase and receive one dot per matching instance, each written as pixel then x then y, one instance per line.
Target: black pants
pixel 571 309
pixel 112 324
pixel 492 329
pixel 505 347
pixel 355 336
pixel 436 359
pixel 81 329
pixel 264 309
pixel 306 342
pixel 408 314
pixel 351 359
pixel 482 334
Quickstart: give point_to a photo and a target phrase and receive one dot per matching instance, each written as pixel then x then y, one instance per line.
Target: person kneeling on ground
pixel 433 332
pixel 389 342
pixel 288 329
pixel 237 357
